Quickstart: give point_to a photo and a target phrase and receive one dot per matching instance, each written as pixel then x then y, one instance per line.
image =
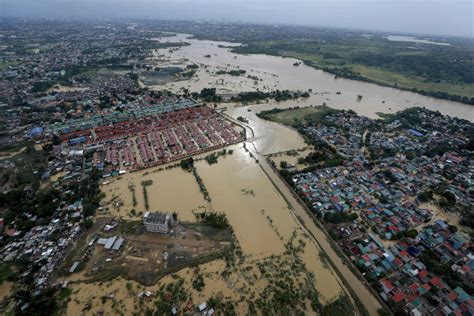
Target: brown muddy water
pixel 262 219
pixel 5 289
pixel 173 190
pixel 279 73
pixel 238 187
pixel 126 300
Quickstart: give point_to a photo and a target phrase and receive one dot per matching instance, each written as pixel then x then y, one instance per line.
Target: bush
pixel 187 163
pixel 198 283
pixel 6 273
pixel 217 220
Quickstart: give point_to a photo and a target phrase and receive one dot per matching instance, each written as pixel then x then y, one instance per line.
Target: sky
pixel 439 17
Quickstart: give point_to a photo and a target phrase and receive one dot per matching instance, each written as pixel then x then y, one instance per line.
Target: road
pixel 370 302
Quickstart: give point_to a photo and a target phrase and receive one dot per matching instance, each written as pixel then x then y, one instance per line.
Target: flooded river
pixel 279 73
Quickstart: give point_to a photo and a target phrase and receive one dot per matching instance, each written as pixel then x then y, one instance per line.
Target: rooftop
pixel 155 218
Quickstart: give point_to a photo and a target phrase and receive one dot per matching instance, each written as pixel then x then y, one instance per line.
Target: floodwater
pixel 238 187
pixel 127 301
pixel 398 38
pixel 5 289
pixel 172 190
pixel 60 88
pixel 10 154
pixel 439 213
pixel 267 137
pixel 279 73
pixel 259 207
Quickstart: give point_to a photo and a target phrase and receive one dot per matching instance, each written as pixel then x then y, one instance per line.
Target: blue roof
pixel 77 140
pixel 463 296
pixel 441 223
pixel 36 131
pixel 415 132
pixel 413 251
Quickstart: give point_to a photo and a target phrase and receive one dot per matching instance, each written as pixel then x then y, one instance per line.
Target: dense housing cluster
pixel 152 140
pixel 384 200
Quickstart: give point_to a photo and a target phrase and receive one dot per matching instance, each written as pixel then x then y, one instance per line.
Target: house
pixel 157 222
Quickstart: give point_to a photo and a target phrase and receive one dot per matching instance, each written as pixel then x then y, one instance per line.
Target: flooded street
pixel 268 137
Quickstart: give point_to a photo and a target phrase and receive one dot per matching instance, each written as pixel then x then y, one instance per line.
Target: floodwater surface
pixel 275 72
pixel 399 38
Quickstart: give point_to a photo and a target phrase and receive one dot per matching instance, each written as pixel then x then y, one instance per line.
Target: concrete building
pixel 157 222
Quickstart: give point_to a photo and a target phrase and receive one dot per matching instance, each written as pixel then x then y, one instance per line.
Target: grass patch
pixel 296 116
pixel 341 306
pixel 7 64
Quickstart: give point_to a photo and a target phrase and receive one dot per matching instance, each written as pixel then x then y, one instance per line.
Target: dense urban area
pixel 129 186
pixel 376 183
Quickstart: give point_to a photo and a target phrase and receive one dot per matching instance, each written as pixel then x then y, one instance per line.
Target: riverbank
pixel 280 73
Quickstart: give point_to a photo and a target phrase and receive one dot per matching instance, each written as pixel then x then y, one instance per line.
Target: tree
pixel 187 163
pixel 88 223
pixel 412 233
pixel 89 209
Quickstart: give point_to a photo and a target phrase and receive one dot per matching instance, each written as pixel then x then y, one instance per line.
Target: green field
pixel 7 64
pixel 390 78
pixel 296 116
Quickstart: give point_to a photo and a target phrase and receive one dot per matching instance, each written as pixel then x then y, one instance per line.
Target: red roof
pixel 403 253
pixel 355 250
pixel 414 287
pixel 411 298
pixel 423 274
pixel 452 296
pixel 398 262
pixel 435 281
pixel 394 228
pixel 403 244
pixel 387 284
pixel 400 296
pixel 427 287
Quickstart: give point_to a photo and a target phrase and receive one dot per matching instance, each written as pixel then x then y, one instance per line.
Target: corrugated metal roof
pixel 110 242
pixel 118 243
pixel 74 267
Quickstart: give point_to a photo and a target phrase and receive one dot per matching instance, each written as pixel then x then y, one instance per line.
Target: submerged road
pixel 356 285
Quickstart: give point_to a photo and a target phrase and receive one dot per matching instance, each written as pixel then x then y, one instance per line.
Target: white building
pixel 157 222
